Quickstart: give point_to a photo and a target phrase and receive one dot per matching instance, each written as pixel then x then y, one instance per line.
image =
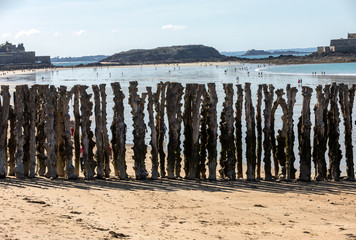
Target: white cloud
pixel 57 34
pixel 173 27
pixel 79 33
pixel 6 35
pixel 113 31
pixel 26 33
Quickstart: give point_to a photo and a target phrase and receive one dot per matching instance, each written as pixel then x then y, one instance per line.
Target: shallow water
pixel 204 73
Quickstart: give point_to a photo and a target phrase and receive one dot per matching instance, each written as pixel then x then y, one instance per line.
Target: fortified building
pixel 12 54
pixel 341 45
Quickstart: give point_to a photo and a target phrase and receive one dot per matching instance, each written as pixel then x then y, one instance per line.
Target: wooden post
pixel 304 128
pixel 19 107
pixel 203 134
pixel 346 103
pixel 250 134
pixel 106 146
pixel 61 162
pixel 12 139
pixel 173 105
pixel 238 129
pixel 335 154
pixel 86 141
pixel 154 137
pixel 118 129
pixel 267 130
pixel 161 128
pixel 67 155
pixel 259 131
pixel 282 134
pixel 76 93
pixel 139 131
pixel 32 131
pixel 98 133
pixel 320 137
pixel 40 125
pixel 4 113
pixel 273 141
pixel 49 129
pixel 290 157
pixel 26 130
pixel 212 131
pixel 192 168
pixel 228 155
pixel 188 131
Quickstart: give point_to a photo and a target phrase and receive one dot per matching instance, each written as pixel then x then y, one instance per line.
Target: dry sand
pixel 175 209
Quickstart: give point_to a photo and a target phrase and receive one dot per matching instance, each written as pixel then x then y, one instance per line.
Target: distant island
pixel 254 52
pixel 165 55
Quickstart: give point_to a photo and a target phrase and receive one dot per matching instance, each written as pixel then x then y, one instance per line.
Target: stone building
pixel 12 54
pixel 341 45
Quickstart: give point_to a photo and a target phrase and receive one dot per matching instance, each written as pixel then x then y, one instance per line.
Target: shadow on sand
pixel 318 188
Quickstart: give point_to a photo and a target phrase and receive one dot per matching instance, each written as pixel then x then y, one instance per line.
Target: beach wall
pixel 38 137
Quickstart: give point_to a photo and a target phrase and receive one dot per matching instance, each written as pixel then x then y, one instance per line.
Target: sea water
pixel 235 73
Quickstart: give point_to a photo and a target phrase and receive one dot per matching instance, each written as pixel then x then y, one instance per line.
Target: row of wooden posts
pixel 35 133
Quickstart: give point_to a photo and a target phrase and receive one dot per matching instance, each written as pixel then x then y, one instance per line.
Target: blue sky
pixel 88 27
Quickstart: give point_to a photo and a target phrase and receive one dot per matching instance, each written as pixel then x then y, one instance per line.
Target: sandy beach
pixel 175 209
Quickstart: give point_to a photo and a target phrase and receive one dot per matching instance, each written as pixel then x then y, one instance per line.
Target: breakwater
pixel 36 139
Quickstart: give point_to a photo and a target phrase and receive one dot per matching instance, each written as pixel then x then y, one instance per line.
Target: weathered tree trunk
pixel 49 129
pixel 267 130
pixel 173 105
pixel 76 92
pixel 290 157
pixel 154 138
pixel 346 103
pixel 118 129
pixel 12 140
pixel 86 112
pixel 304 128
pixel 238 129
pixel 161 128
pixel 67 155
pixel 19 107
pixel 228 155
pixel 32 130
pixel 40 125
pixel 212 131
pixel 320 137
pixel 203 134
pixel 98 133
pixel 139 131
pixel 335 154
pixel 106 146
pixel 259 131
pixel 250 134
pixel 4 113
